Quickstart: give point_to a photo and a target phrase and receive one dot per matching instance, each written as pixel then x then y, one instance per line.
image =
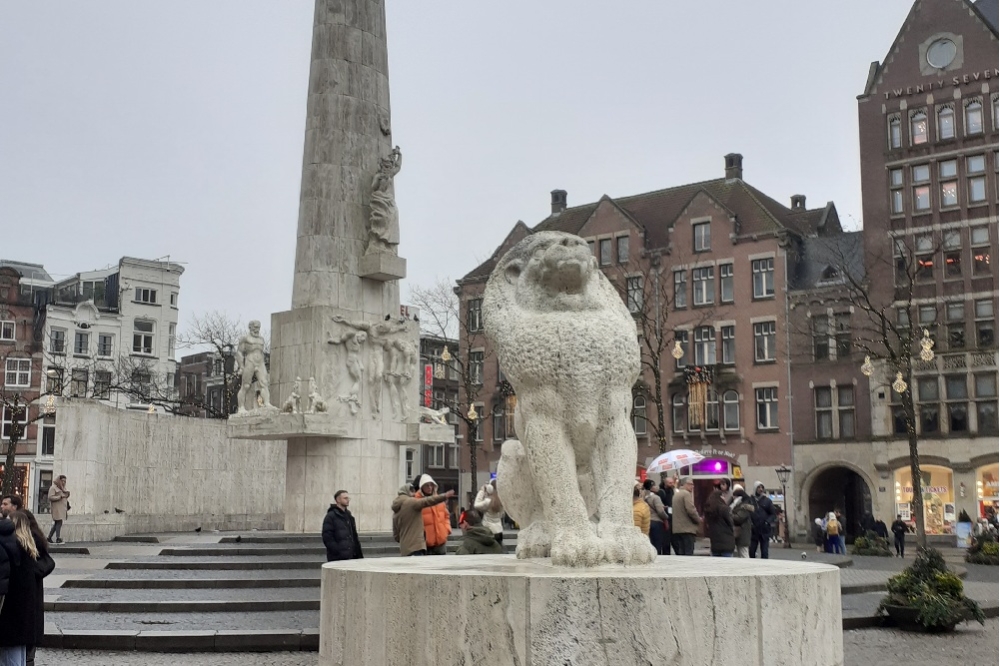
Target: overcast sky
pixel 156 129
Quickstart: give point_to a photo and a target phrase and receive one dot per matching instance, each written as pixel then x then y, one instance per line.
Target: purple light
pixel 718 467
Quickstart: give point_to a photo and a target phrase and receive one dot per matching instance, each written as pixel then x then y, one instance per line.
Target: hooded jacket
pixel 479 540
pixel 437 524
pixel 408 522
pixel 742 509
pixel 492 520
pixel 719 523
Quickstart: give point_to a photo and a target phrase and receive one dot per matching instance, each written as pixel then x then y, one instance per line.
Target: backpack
pixel 833 528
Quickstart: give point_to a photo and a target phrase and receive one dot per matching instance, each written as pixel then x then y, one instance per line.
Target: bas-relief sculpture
pixel 568 345
pixel 254 393
pixel 382 340
pixel 314 401
pixel 435 416
pixel 383 220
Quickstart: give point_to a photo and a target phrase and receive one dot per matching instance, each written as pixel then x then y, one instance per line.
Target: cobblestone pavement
pixel 93 658
pixel 970 645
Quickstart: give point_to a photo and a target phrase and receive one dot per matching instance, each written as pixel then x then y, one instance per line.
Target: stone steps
pixel 196 606
pixel 188 583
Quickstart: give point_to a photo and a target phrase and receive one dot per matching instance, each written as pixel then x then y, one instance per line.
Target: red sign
pixel 428 385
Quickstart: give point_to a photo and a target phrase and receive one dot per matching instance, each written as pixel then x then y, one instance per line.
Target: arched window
pixel 895 132
pixel 712 410
pixel 918 128
pixel 974 117
pixel 731 410
pixel 679 412
pixel 639 415
pixel 946 123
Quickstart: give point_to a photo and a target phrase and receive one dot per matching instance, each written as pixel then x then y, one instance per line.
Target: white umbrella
pixel 673 460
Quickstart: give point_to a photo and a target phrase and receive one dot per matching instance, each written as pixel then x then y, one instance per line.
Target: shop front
pixel 705 475
pixel 20 479
pixel 987 497
pixel 937 484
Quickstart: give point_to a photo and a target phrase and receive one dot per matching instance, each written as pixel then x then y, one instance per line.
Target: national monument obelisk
pixel 344 328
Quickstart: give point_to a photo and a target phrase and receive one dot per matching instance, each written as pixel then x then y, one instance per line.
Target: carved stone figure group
pixel 392 361
pixel 313 403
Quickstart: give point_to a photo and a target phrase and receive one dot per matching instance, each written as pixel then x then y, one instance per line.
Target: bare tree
pixel 220 334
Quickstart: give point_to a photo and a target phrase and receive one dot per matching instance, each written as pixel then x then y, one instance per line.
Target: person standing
pixel 478 539
pixel 640 510
pixel 340 532
pixel 408 519
pixel 59 503
pixel 842 535
pixel 685 518
pixel 667 495
pixel 899 535
pixel 763 516
pixel 819 535
pixel 742 508
pixel 19 612
pixel 45 566
pixel 658 519
pixel 437 527
pixel 719 524
pixel 832 533
pixel 488 504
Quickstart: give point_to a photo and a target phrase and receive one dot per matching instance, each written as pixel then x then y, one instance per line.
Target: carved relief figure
pixel 250 365
pixel 316 403
pixel 568 345
pixel 383 221
pixel 352 341
pixel 293 405
pixel 377 337
pixel 435 416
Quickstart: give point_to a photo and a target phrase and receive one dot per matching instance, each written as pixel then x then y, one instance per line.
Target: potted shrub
pixel 871 544
pixel 983 550
pixel 927 597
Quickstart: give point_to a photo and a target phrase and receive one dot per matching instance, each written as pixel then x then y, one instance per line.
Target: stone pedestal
pixel 497 610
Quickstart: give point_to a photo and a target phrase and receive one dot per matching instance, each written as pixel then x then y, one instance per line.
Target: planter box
pixel 905 618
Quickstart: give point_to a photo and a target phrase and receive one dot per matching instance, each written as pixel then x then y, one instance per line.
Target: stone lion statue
pixel 568 345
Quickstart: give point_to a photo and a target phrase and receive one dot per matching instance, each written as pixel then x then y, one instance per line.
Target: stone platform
pixel 495 609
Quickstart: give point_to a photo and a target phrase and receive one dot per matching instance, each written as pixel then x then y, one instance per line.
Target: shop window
pixel 988 489
pixel 939 497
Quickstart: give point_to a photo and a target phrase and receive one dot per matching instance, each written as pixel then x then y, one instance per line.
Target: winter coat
pixel 656 508
pixel 667 495
pixel 719 523
pixel 898 528
pixel 880 529
pixel 764 515
pixel 819 534
pixel 685 517
pixel 59 502
pixel 19 613
pixel 340 535
pixel 640 515
pixel 479 540
pixel 43 567
pixel 437 523
pixel 408 521
pixel 492 520
pixel 742 513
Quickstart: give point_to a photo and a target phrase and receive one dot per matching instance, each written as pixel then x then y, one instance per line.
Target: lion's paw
pixel 628 545
pixel 578 549
pixel 534 541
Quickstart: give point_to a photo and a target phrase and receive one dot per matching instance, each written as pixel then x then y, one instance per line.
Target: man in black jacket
pixel 666 494
pixel 762 518
pixel 340 532
pixel 899 535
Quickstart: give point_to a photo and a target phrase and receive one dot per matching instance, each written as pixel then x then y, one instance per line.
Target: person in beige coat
pixel 59 503
pixel 686 519
pixel 408 520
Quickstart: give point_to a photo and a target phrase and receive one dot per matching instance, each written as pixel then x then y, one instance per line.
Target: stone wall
pixel 164 473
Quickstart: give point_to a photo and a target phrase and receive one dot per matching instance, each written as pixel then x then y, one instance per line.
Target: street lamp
pixel 445 354
pixel 783 474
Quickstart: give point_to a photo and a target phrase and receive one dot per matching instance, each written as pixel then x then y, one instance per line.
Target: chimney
pixel 734 166
pixel 798 202
pixel 558 201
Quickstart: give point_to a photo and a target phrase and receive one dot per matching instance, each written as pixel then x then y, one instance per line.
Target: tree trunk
pixel 9 473
pixel 661 417
pixel 917 495
pixel 473 456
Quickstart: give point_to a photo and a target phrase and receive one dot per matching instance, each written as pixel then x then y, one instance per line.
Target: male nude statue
pixel 250 362
pixel 377 336
pixel 352 341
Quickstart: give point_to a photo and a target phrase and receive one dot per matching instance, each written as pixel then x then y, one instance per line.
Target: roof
pixel 988 11
pixel 28 270
pixel 822 259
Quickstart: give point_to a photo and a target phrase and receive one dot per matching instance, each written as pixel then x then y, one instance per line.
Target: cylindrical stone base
pixel 497 610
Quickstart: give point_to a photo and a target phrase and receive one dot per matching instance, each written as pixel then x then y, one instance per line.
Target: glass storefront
pixel 987 496
pixel 938 494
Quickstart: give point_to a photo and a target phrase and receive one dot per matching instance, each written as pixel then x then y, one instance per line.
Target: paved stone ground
pixel 185 621
pixel 91 658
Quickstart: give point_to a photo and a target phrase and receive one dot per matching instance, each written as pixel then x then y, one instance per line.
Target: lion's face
pixel 551 270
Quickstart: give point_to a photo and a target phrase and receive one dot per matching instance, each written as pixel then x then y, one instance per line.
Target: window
pixel 633 294
pixel 958 412
pixel 702 237
pixel 454 455
pixel 639 415
pixel 956 311
pixel 682 337
pixel 474 315
pixel 842 334
pixel 927 389
pixel 591 244
pixel 143 295
pixel 622 242
pixel 764 341
pixel 54 380
pixel 984 325
pixel 726 282
pixel 104 343
pixel 704 345
pixel 605 246
pixel 142 383
pixel 902 317
pixel 921 175
pixel 824 412
pixel 476 367
pixel 821 338
pixel 680 289
pixel 763 278
pixel 435 455
pixel 171 339
pixel 952 265
pixel 975 170
pixel 49 436
pixel 173 298
pixel 57 341
pixel 411 467
pixel 12 418
pixel 499 422
pixel 711 410
pixel 79 379
pixel 729 345
pixel 947 178
pixel 18 373
pixel 731 410
pixel 81 344
pixel 974 117
pixel 7 331
pixel 930 418
pixel 952 239
pixel 703 285
pixel 925 267
pixel 895 191
pixel 845 411
pixel 946 123
pixel 956 335
pixel 924 243
pixel 895 132
pixel 477 429
pixel 102 384
pixel 767 408
pixel 678 412
pixel 142 337
pixel 918 127
pixel 986 411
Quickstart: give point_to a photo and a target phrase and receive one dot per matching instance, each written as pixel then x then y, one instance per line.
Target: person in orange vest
pixel 437 524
